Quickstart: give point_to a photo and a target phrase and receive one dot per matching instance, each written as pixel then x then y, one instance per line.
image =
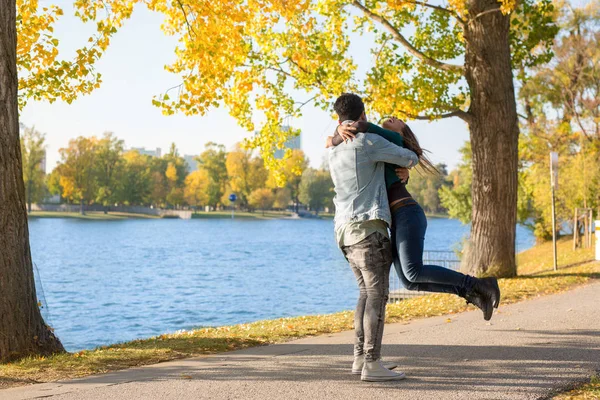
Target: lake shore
pixel 256 215
pixel 90 215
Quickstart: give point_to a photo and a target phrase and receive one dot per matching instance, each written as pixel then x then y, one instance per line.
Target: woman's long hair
pixel 412 143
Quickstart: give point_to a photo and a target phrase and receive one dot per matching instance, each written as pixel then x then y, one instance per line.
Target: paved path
pixel 528 350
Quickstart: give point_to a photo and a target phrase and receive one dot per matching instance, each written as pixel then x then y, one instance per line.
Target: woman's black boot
pixel 484 293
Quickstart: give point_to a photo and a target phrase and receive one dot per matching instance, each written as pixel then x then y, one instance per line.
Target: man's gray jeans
pixel 371 260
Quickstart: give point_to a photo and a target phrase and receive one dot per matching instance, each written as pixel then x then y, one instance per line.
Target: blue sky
pixel 133 71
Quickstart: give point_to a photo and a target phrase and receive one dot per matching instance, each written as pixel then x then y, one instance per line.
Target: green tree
pixel 135 185
pixel 563 115
pixel 261 199
pixel 214 161
pixel 109 167
pixel 33 152
pixel 53 183
pixel 457 199
pixel 425 187
pixel 316 189
pixel 78 170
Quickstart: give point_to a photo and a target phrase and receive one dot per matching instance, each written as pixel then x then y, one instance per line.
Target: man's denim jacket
pixel 357 170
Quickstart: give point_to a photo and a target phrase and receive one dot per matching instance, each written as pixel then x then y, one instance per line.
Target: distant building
pixel 294 143
pixel 152 153
pixel 192 164
pixel 43 163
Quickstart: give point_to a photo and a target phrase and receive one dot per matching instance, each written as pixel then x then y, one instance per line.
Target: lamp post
pixel 554 184
pixel 232 199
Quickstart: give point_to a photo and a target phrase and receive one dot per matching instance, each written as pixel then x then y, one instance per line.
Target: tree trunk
pixel 22 328
pixel 494 134
pixel 29 196
pixel 81 211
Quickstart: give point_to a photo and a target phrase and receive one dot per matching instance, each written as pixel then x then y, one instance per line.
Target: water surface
pixel 111 281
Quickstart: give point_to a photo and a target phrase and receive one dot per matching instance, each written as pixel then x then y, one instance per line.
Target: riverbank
pixel 242 215
pixel 90 215
pixel 214 340
pixel 256 215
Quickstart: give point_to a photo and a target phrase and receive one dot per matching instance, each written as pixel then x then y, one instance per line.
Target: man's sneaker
pixel 357 365
pixel 374 371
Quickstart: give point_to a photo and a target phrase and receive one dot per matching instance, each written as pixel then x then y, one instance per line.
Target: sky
pixel 133 72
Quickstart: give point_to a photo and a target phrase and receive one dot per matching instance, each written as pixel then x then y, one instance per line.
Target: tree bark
pixel 29 196
pixel 22 329
pixel 494 135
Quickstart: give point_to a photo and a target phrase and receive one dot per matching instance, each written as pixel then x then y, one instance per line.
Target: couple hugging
pixel 369 167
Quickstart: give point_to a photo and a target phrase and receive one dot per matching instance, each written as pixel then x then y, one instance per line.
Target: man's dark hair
pixel 349 106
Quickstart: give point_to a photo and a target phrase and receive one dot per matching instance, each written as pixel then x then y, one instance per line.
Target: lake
pixel 113 281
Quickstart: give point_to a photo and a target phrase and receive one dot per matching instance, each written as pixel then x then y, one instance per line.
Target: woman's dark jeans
pixel 408 235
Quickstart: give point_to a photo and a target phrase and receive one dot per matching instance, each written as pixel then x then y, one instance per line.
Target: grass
pixel 89 215
pixel 540 258
pixel 219 339
pixel 588 391
pixel 243 214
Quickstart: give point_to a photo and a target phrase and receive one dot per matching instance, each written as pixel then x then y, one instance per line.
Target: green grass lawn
pixel 243 214
pixel 214 340
pixel 90 215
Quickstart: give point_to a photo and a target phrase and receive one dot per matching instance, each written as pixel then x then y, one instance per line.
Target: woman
pixel 409 225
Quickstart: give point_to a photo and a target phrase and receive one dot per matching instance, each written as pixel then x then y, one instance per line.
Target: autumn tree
pixel 246 173
pixel 293 168
pixel 260 50
pixel 176 172
pixel 33 150
pixel 261 199
pixel 282 199
pixel 196 185
pixel 214 161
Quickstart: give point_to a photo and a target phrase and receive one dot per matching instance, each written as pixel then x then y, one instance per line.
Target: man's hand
pixel 403 174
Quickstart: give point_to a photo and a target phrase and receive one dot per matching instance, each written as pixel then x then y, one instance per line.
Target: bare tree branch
pixel 189 27
pixel 439 8
pixel 407 45
pixel 464 115
pixel 481 14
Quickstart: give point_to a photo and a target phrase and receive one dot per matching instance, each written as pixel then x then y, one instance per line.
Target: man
pixel 362 217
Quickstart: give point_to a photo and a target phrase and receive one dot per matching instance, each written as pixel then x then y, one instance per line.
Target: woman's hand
pixel 394 124
pixel 347 132
pixel 403 174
